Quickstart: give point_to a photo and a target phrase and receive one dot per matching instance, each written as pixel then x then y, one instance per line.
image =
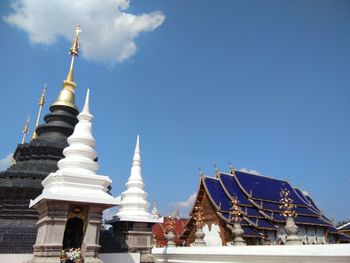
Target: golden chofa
pixel 67 94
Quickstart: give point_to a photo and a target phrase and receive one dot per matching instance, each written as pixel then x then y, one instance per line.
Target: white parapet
pixel 339 253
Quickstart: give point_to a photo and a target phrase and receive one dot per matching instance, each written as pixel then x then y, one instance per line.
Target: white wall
pixel 120 257
pixel 15 258
pixel 339 253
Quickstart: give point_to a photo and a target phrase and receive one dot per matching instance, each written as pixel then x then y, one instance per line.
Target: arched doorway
pixel 73 234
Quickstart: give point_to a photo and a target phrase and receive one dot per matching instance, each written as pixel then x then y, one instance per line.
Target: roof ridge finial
pixel 41 105
pixel 25 129
pixel 66 96
pixel 201 173
pixel 232 169
pixel 216 169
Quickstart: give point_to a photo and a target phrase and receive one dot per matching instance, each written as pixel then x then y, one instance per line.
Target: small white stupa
pixel 76 179
pixel 133 203
pixel 155 214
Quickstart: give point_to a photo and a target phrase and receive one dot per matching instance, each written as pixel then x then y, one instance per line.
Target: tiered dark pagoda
pixel 32 162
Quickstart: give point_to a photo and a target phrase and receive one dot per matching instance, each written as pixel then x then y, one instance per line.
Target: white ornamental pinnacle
pixel 80 154
pixel 155 214
pixel 133 204
pixel 76 179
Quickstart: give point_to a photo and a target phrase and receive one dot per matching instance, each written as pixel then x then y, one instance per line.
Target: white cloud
pixel 109 213
pixel 109 32
pixel 6 162
pixel 184 206
pixel 245 170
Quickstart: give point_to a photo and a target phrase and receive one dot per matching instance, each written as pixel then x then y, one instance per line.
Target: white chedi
pixel 76 178
pixel 80 155
pixel 155 214
pixel 133 203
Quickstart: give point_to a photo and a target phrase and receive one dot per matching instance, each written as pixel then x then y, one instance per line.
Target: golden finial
pixel 42 97
pixel 73 51
pixel 287 204
pixel 41 105
pixel 171 223
pixel 66 96
pixel 25 129
pixel 235 214
pixel 198 215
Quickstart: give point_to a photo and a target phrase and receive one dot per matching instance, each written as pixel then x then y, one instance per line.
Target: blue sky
pixel 264 84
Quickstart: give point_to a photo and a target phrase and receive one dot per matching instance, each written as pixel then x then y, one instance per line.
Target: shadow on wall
pixel 106 258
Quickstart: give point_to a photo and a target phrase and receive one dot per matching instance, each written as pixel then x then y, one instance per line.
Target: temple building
pixel 258 198
pixel 345 230
pixel 160 230
pixel 32 162
pixel 48 157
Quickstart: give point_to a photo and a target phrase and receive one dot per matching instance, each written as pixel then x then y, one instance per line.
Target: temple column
pixel 51 226
pixel 90 244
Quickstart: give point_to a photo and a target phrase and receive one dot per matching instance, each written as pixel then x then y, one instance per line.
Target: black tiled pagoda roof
pixel 22 181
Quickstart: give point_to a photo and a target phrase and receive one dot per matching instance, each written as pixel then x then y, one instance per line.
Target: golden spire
pixel 25 129
pixel 41 104
pixel 73 51
pixel 66 96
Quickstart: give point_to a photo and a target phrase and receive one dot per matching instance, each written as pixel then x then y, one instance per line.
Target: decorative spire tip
pixel 137 147
pixel 66 96
pixel 86 108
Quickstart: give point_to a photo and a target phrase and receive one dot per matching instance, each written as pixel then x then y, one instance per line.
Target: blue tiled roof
pixel 262 223
pixel 266 188
pixel 250 232
pixel 310 220
pixel 265 195
pixel 278 217
pixel 344 237
pixel 225 214
pixel 233 189
pixel 301 195
pixel 306 211
pixel 345 227
pixel 314 206
pixel 332 229
pixel 302 210
pixel 251 211
pixel 270 206
pixel 217 193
